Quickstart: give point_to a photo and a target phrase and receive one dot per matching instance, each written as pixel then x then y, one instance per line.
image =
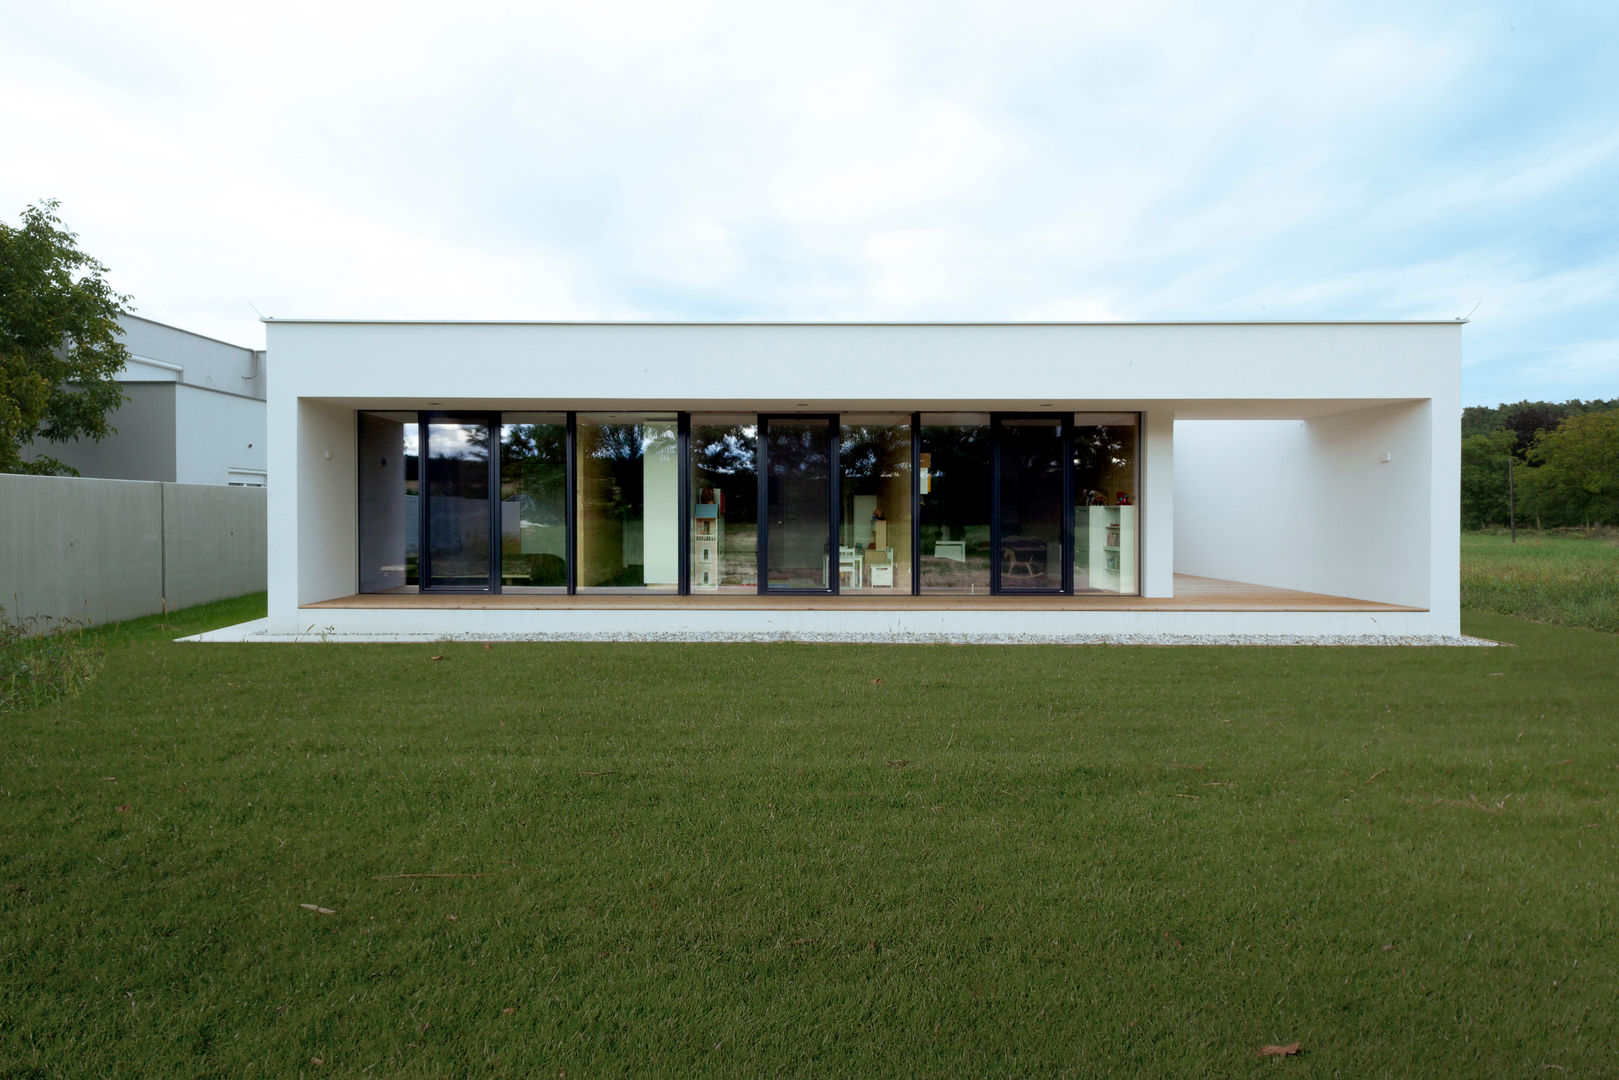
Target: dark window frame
pixel 833 421
pixel 834 510
pixel 424 543
pixel 1065 448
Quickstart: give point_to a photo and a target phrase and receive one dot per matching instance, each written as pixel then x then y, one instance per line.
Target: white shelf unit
pixel 1111 531
pixel 707 538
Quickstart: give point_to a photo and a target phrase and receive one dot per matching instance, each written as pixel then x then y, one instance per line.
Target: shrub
pixel 43 660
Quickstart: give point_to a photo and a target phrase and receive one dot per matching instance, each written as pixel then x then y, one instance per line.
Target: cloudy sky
pixel 905 161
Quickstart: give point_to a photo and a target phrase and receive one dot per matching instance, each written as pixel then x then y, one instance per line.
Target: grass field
pixel 1547 577
pixel 687 860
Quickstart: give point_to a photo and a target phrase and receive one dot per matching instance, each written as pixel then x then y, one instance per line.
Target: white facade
pixel 195 414
pixel 1318 456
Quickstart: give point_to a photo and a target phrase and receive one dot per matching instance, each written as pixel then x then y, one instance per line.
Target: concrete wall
pixel 103 550
pixel 214 543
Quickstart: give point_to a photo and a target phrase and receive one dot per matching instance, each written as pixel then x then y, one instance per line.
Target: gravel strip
pixel 894 639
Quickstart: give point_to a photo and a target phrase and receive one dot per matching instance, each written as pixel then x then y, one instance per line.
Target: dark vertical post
pixel 683 471
pixel 359 492
pixel 762 535
pixel 570 508
pixel 423 547
pixel 835 491
pixel 497 508
pixel 1512 501
pixel 995 504
pixel 916 504
pixel 1068 505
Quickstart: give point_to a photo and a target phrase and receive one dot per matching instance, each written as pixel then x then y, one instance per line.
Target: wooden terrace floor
pixel 1191 594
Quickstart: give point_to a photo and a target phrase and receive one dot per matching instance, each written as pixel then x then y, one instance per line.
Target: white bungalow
pixel 895 482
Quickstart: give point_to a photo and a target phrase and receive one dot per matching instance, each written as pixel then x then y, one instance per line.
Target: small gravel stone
pixel 889 639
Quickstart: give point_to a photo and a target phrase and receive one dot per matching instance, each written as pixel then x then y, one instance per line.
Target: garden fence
pixel 97 551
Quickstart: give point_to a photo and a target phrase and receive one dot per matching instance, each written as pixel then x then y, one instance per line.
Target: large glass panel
pixel 629 502
pixel 799 507
pixel 389 518
pixel 458 504
pixel 1031 504
pixel 874 537
pixel 1106 510
pixel 534 502
pixel 725 503
pixel 955 480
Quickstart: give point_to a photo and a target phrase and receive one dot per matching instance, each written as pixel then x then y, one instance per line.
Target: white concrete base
pixel 898 627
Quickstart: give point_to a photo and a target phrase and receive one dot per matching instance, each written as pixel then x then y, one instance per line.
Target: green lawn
pixel 691 860
pixel 1547 577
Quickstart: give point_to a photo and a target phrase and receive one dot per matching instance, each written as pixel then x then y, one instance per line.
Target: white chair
pixel 853 563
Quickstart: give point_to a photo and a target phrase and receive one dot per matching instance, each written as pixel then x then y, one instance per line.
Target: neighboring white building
pixel 885 481
pixel 195 413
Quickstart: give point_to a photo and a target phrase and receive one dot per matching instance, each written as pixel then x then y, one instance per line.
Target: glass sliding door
pixel 1033 513
pixel 725 503
pixel 628 502
pixel 458 468
pixel 956 503
pixel 874 488
pixel 1106 453
pixel 800 553
pixel 534 502
pixel 389 512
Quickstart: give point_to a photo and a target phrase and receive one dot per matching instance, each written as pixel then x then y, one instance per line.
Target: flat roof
pixel 664 322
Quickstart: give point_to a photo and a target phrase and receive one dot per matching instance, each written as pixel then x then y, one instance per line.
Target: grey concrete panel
pixel 90 550
pixel 98 551
pixel 215 542
pixel 143 448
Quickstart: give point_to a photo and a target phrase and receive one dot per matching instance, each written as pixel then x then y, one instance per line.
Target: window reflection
pixel 1106 504
pixel 955 482
pixel 874 537
pixel 798 491
pixel 458 532
pixel 534 502
pixel 1031 505
pixel 725 503
pixel 628 499
pixel 388 518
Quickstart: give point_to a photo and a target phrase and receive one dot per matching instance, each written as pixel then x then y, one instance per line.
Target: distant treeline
pixel 1564 462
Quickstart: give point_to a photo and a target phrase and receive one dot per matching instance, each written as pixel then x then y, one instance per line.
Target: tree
pixel 1484 478
pixel 1578 474
pixel 59 347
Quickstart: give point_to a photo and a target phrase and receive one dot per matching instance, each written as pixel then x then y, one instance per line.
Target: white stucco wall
pixel 194 359
pixel 313 506
pixel 1157 522
pixel 218 437
pixel 918 366
pixel 1311 504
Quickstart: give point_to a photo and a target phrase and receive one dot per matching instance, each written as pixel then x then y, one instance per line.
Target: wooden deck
pixel 1191 594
